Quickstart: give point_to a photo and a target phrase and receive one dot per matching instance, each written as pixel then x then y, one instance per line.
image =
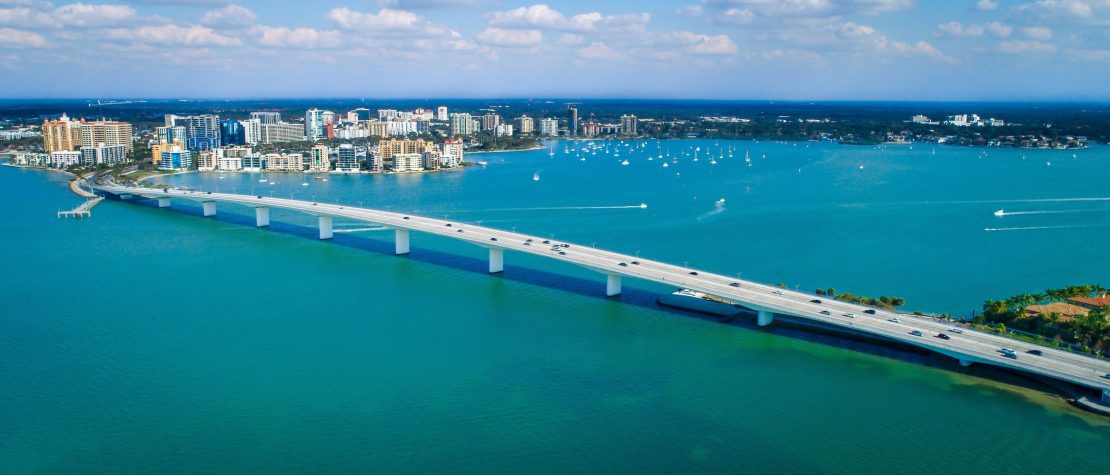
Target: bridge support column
pixel 261 216
pixel 325 227
pixel 612 285
pixel 209 208
pixel 401 241
pixel 965 363
pixel 496 260
pixel 764 318
pixel 1106 396
pixel 163 202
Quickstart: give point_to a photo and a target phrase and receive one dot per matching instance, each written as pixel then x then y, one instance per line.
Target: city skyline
pixel 704 49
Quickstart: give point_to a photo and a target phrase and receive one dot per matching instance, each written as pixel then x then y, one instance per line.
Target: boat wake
pixel 718 208
pixel 1035 228
pixel 564 208
pixel 1063 211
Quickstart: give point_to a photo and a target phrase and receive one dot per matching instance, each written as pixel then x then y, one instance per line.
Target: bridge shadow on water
pixel 784 326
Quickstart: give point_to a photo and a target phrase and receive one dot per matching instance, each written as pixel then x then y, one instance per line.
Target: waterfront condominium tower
pixel 572 121
pixel 106 132
pixel 315 124
pixel 61 135
pixel 441 113
pixel 628 124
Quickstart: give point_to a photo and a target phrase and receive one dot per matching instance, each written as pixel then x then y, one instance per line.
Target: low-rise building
pixel 104 154
pixel 284 162
pixel 176 157
pixel 65 158
pixel 408 162
pixel 345 158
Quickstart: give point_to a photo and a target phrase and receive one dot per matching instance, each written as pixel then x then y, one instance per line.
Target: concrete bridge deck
pixel 968 347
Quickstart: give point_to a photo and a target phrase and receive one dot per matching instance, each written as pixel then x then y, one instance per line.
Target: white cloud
pixel 1083 10
pixel 510 38
pixel 385 19
pixel 230 15
pixel 12 37
pixel 598 52
pixel 76 15
pixel 1037 32
pixel 955 28
pixel 544 17
pixel 303 38
pixel 1026 47
pixel 986 5
pixel 193 35
pixel 698 44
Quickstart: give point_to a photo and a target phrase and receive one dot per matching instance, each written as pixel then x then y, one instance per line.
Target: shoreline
pixel 538 147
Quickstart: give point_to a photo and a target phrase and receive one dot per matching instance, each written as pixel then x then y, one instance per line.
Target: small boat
pixel 1000 213
pixel 536 176
pixel 665 164
pixel 624 162
pixel 643 205
pixel 721 201
pixel 483 163
pixel 263 180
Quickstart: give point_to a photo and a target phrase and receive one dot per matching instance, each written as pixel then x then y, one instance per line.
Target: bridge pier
pixel 764 318
pixel 261 216
pixel 1106 396
pixel 496 260
pixel 163 202
pixel 209 208
pixel 612 285
pixel 965 363
pixel 325 227
pixel 401 242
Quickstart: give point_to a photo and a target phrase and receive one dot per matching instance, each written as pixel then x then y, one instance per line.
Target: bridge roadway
pixel 968 347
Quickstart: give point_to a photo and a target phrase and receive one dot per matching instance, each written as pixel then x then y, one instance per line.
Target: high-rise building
pixel 525 124
pixel 202 132
pixel 462 124
pixel 503 130
pixel 170 134
pixel 387 149
pixel 319 160
pixel 265 117
pixel 388 114
pixel 408 162
pixel 490 121
pixel 451 153
pixel 231 133
pixel 282 132
pixel 549 127
pixel 103 154
pixel 176 158
pixel 628 125
pixel 441 113
pixel 106 132
pixel 314 124
pixel 345 158
pixel 359 115
pixel 64 158
pixel 252 131
pixel 572 121
pixel 60 135
pixel 430 160
pixel 374 162
pixel 591 129
pixel 157 149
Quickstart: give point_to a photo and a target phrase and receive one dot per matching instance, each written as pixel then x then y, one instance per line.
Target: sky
pixel 933 50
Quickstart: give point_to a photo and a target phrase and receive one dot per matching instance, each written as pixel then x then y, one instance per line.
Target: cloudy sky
pixel 714 49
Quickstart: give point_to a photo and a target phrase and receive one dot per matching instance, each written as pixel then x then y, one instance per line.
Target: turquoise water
pixel 147 340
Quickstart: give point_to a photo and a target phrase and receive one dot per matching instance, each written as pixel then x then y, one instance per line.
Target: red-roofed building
pixel 1092 303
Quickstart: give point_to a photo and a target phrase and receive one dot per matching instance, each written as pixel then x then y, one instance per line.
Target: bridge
pixel 968 347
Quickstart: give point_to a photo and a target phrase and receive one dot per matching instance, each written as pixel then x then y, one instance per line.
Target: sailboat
pixel 536 176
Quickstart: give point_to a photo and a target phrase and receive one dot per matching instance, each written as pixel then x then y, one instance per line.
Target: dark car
pixel 528 240
pixel 259 196
pixel 545 241
pixel 825 312
pixel 815 301
pixel 448 224
pixel 210 192
pixel 635 263
pixel 943 336
pixel 406 217
pixel 734 284
pixel 566 245
pixel 459 231
pixel 870 310
pixel 693 273
pixel 1035 352
pixel 623 264
pixel 492 239
pixel 562 253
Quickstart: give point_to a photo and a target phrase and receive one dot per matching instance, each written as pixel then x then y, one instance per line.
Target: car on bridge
pixel 817 301
pixel 826 312
pixel 1035 352
pixel 955 330
pixel 869 311
pixel 623 264
pixel 734 284
pixel 943 336
pixel 894 320
pixel 776 292
pixel 915 332
pixel 693 272
pixel 849 315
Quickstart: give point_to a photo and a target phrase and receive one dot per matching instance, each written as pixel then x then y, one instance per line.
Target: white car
pixel 850 315
pixel 955 330
pixel 776 292
pixel 915 332
pixel 894 320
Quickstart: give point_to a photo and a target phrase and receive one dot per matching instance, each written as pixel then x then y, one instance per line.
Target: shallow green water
pixel 147 340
